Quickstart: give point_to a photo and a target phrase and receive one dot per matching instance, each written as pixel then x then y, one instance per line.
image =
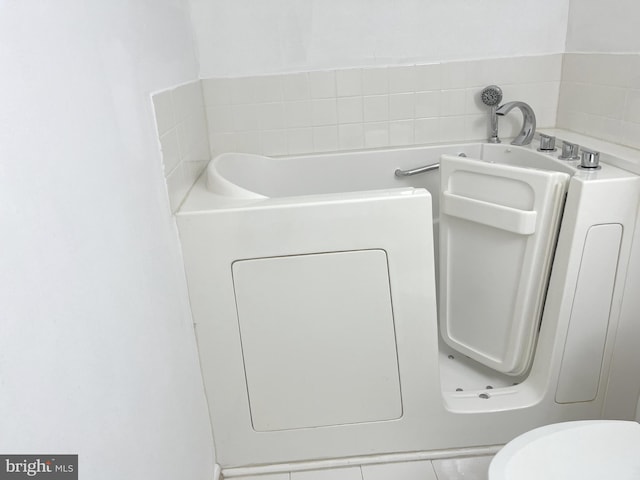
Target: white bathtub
pixel 313 287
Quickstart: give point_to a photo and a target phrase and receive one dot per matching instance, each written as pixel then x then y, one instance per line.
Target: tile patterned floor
pixel 467 468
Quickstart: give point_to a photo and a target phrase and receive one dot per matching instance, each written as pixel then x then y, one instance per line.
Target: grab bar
pixel 415 171
pixel 426 168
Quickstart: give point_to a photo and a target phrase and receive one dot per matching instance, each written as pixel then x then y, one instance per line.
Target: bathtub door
pixel 498 227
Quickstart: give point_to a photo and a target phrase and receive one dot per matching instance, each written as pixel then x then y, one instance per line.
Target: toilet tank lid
pixel 585 450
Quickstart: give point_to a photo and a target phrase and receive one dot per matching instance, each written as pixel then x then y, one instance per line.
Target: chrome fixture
pixel 426 168
pixel 492 96
pixel 569 151
pixel 528 121
pixel 547 143
pixel 415 171
pixel 589 159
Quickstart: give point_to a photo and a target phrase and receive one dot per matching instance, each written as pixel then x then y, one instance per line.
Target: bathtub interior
pixel 249 176
pixel 322 174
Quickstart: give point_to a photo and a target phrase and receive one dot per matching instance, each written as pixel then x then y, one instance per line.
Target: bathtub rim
pixel 200 199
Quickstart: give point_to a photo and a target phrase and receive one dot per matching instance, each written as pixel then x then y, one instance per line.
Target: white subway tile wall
pixel 600 96
pixel 374 107
pixel 184 135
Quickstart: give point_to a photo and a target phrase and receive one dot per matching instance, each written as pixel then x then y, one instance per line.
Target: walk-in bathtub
pixel 313 285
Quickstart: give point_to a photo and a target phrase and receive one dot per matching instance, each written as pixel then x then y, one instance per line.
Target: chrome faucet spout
pixel 528 121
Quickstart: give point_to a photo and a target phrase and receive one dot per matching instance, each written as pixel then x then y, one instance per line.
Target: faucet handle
pixel 547 143
pixel 589 159
pixel 569 151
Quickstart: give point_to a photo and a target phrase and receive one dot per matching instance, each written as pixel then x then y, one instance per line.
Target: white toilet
pixel 586 450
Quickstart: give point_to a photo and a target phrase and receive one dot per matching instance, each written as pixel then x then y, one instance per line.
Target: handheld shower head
pixel 491 95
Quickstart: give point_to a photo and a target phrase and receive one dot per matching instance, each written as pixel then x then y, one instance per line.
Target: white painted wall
pixel 609 27
pixel 245 37
pixel 97 351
